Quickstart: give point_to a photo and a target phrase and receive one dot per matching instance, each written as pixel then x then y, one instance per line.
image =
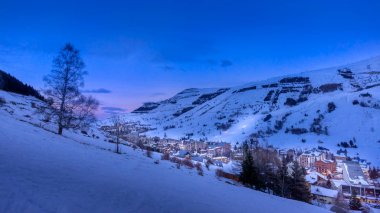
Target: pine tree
pixel 373 173
pixel 260 179
pixel 270 177
pixel 299 187
pixel 355 203
pixel 247 174
pixel 328 184
pixel 259 168
pixel 370 172
pixel 281 185
pixel 12 84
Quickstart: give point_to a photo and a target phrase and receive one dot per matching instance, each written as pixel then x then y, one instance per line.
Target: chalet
pixel 213 152
pixel 323 195
pixel 216 149
pixel 325 166
pixel 315 177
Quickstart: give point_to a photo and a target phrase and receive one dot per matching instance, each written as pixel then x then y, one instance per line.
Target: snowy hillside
pixel 339 105
pixel 43 172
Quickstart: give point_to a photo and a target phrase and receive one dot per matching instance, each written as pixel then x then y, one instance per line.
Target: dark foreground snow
pixel 43 172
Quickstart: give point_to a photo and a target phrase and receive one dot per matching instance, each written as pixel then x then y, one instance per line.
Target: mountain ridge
pixel 305 110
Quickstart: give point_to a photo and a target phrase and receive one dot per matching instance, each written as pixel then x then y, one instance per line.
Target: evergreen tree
pixel 12 84
pixel 370 172
pixel 281 185
pixel 373 173
pixel 299 187
pixel 270 177
pixel 260 180
pixel 355 203
pixel 247 174
pixel 288 159
pixel 328 184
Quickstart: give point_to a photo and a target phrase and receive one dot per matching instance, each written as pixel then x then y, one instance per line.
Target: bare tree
pixel 67 105
pixel 118 129
pixel 84 108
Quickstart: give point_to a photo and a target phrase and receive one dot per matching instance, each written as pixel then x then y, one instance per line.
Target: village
pixel 331 176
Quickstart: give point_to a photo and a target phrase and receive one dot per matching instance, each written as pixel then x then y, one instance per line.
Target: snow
pixel 247 110
pixel 352 171
pixel 338 183
pixel 317 190
pixel 43 172
pixel 312 177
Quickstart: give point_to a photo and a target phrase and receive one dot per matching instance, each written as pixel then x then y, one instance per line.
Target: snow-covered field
pixel 43 172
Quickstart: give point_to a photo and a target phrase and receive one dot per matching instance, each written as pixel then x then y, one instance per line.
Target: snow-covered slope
pixel 289 111
pixel 43 172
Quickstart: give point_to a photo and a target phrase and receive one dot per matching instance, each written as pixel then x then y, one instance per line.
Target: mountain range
pixel 336 108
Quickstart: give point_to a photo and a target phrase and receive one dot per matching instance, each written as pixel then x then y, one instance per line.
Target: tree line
pixel 262 170
pixel 11 84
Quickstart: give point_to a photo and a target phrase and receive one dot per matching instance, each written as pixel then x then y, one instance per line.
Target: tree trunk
pixel 117 144
pixel 60 130
pixel 62 105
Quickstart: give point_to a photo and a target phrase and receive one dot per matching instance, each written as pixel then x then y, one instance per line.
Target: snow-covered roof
pixel 312 177
pixel 355 173
pixel 321 191
pixel 327 161
pixel 338 183
pixel 182 153
pixel 197 158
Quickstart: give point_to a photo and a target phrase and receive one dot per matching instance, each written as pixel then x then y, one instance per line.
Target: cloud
pixel 100 90
pixel 113 110
pixel 226 63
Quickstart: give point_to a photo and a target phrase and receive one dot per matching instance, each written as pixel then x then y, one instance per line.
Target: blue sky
pixel 138 51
